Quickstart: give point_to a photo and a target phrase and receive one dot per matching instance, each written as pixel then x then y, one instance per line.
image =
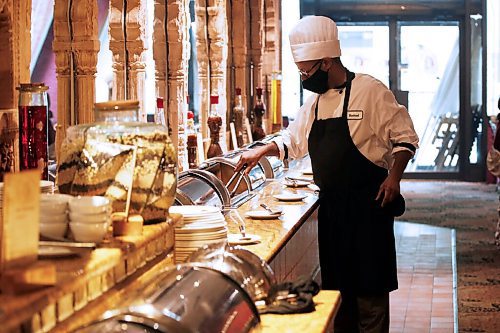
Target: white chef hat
pixel 314 37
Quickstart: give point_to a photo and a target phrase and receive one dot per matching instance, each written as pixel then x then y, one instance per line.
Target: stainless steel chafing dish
pixel 239 185
pixel 273 166
pixel 184 298
pixel 200 187
pixel 215 183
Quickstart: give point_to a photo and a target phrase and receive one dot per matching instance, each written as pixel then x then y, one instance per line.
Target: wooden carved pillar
pixel 127 27
pixel 15 46
pixel 76 44
pixel 177 72
pixel 272 58
pixel 256 42
pixel 85 46
pixel 240 37
pixel 218 40
pixel 203 62
pixel 62 49
pixel 160 48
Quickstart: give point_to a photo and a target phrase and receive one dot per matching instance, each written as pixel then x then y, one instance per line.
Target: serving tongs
pixel 232 179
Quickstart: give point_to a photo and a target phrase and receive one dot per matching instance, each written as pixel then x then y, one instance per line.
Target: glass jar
pixel 120 158
pixel 33 128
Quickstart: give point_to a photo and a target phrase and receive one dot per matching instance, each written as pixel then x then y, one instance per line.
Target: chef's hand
pixel 250 158
pixel 388 191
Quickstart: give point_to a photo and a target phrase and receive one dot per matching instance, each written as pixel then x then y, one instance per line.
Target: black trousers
pixel 363 314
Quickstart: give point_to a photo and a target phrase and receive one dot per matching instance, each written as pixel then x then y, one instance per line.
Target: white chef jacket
pixel 378 124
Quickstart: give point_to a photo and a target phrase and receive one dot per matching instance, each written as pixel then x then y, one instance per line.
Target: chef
pixel 359 140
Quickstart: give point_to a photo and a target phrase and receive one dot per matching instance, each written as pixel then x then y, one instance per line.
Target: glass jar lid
pixel 117 105
pixel 32 87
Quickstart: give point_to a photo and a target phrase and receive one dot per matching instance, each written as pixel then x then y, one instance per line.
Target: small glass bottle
pixel 33 129
pixel 160 112
pixel 214 124
pixel 239 113
pixel 192 143
pixel 259 109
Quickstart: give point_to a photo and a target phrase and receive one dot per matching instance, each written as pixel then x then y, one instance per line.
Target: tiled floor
pixel 424 301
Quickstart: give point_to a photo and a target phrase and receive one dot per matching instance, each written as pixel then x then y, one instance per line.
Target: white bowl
pixel 53 219
pixel 89 232
pixel 89 205
pixel 57 230
pixel 55 198
pixel 53 209
pixel 54 203
pixel 89 218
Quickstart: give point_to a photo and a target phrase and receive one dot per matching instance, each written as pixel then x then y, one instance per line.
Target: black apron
pixel 356 236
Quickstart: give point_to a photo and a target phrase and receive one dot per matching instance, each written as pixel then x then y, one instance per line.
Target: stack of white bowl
pixel 201 225
pixel 89 218
pixel 54 215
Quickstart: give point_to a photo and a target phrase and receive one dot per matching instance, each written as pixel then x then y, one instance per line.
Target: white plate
pixel 313 187
pixel 297 183
pixel 263 214
pixel 307 172
pixel 289 196
pixel 237 239
pixel 193 210
pixel 54 252
pixel 303 178
pixel 200 227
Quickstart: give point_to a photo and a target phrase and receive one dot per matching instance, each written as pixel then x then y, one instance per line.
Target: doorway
pixel 419 61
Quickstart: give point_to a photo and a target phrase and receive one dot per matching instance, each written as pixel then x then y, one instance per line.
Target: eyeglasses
pixel 306 74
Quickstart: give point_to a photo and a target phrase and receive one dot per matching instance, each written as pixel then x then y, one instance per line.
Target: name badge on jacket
pixel 354 114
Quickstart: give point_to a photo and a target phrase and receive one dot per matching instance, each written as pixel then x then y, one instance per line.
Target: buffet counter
pixel 104 278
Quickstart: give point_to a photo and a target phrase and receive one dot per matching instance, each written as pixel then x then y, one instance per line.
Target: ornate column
pixel 160 48
pixel 15 46
pixel 257 40
pixel 85 45
pixel 218 40
pixel 271 54
pixel 203 61
pixel 76 44
pixel 240 41
pixel 62 49
pixel 127 27
pixel 177 73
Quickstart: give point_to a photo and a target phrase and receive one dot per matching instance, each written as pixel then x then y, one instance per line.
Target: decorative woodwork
pixel 271 54
pixel 203 60
pixel 127 29
pixel 178 57
pixel 76 44
pixel 239 42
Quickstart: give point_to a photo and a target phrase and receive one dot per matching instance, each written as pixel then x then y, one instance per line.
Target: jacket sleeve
pixel 395 124
pixel 294 138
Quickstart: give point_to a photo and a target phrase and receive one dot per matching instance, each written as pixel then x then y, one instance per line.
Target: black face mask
pixel 317 83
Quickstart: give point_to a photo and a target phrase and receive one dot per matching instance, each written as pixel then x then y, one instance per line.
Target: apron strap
pixel 350 77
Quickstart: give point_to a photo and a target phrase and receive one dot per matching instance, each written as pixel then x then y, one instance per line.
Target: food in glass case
pixel 117 154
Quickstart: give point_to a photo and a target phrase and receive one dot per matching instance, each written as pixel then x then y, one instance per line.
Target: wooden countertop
pixel 326 302
pixel 276 232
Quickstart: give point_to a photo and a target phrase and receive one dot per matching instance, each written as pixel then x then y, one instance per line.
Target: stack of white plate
pixel 202 225
pixel 46 186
